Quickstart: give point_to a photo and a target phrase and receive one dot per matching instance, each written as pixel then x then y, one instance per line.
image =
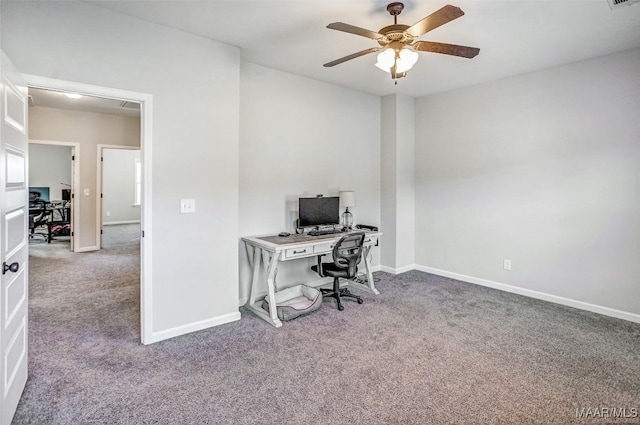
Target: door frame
pixel 99 191
pixel 146 125
pixel 75 186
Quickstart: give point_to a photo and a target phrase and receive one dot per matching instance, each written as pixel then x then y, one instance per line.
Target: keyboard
pixel 324 232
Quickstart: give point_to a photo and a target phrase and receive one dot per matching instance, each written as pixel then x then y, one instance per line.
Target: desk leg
pixel 271 288
pixel 248 249
pixel 367 267
pixel 369 286
pixel 254 275
pixel 270 264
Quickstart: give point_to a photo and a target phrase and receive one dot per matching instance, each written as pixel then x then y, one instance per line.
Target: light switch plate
pixel 187 206
pixel 506 264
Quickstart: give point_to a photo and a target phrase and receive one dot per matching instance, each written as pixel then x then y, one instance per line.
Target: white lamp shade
pixel 386 59
pixel 403 61
pixel 407 59
pixel 347 198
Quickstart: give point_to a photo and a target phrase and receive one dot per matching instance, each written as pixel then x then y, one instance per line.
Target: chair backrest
pixel 347 252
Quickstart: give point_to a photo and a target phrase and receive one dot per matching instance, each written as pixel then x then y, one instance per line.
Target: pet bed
pixel 295 301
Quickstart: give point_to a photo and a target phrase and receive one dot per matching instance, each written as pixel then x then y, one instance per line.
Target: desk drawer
pixel 298 252
pixel 327 247
pixel 370 240
pixel 323 248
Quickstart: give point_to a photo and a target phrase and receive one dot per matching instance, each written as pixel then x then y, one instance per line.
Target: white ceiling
pixel 56 99
pixel 515 36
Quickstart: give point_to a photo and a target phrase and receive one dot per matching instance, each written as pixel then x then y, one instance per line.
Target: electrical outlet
pixel 507 264
pixel 187 206
pixel 108 213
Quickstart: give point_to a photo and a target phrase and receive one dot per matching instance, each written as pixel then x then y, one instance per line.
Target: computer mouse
pixel 284 234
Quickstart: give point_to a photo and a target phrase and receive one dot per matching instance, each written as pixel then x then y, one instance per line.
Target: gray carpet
pixel 428 350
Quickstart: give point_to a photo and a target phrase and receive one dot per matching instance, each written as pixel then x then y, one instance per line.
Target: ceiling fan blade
pixel 447 49
pixel 341 26
pixel 352 56
pixel 440 17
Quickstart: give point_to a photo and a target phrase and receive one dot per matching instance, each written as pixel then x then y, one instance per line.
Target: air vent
pixel 617 4
pixel 134 105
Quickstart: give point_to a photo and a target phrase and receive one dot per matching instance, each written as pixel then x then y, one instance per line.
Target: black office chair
pixel 347 253
pixel 38 216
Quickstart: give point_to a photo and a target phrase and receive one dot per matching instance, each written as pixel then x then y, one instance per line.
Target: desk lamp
pixel 347 199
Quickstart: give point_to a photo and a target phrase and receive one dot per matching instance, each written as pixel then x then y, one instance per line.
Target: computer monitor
pixel 41 193
pixel 319 211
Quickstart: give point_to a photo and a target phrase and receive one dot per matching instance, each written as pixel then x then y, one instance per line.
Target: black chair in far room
pixel 38 216
pixel 347 253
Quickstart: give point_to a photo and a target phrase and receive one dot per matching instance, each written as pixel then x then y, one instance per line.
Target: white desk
pixel 268 250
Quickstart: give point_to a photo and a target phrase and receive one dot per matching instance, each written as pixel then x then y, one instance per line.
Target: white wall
pixel 542 169
pixel 49 166
pixel 300 137
pixel 195 87
pixel 118 186
pixel 88 129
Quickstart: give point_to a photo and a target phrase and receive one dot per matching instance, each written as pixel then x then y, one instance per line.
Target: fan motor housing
pixel 395 32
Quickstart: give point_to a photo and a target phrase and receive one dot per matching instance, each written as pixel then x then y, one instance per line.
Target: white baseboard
pixel 399 270
pixel 109 223
pixel 193 327
pixel 606 311
pixel 86 249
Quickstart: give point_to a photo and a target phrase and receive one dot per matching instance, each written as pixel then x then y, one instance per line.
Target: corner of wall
pixel 398 181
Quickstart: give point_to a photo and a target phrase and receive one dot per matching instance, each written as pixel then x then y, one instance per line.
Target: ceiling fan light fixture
pixel 403 60
pixel 386 59
pixel 406 59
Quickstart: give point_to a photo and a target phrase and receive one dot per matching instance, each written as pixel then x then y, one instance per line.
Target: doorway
pixel 119 182
pixel 53 183
pixel 87 190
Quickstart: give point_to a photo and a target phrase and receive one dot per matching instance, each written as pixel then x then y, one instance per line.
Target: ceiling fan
pixel 398 46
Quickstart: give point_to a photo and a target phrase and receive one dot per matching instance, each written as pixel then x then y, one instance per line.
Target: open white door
pixel 14 214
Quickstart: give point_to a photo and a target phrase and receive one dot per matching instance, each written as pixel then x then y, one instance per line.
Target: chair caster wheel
pixel 360 301
pixel 340 307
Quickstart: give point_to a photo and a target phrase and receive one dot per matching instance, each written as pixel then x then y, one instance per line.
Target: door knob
pixel 13 267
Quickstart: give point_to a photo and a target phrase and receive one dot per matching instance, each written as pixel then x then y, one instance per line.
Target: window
pixel 138 180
